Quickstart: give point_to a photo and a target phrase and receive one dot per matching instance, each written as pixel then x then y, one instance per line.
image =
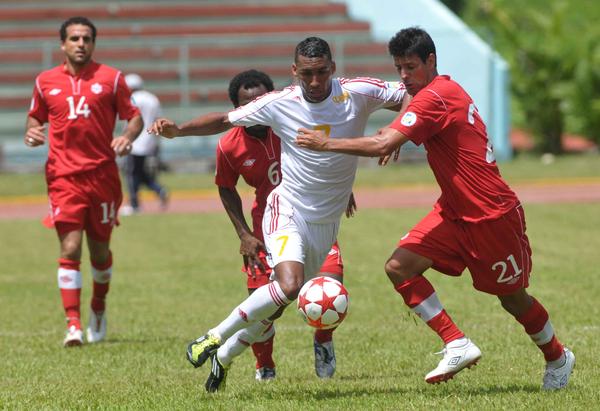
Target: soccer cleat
pixel 324 359
pixel 265 374
pixel 218 375
pixel 96 329
pixel 73 337
pixel 456 358
pixel 557 378
pixel 199 350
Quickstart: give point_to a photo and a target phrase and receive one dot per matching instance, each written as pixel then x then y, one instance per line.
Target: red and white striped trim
pixel 278 299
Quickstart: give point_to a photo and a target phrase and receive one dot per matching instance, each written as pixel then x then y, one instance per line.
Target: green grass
pixel 523 169
pixel 177 275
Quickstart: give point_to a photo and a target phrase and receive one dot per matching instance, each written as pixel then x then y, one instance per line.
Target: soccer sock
pixel 537 324
pixel 323 336
pixel 260 305
pixel 69 284
pixel 419 295
pixel 241 340
pixel 263 348
pixel 102 273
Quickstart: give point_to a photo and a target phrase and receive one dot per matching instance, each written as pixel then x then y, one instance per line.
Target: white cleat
pixel 96 330
pixel 458 355
pixel 557 378
pixel 265 374
pixel 73 337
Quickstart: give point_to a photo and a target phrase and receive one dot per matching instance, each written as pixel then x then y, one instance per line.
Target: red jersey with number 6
pixel 81 111
pixel 444 119
pixel 256 160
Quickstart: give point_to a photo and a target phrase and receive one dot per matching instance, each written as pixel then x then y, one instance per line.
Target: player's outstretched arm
pixel 250 246
pixel 205 125
pixel 380 145
pixel 35 134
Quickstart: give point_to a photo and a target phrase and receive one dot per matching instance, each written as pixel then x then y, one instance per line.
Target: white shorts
pixel 288 237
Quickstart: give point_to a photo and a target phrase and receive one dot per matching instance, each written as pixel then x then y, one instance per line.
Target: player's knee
pixel 70 249
pixel 396 271
pixel 291 288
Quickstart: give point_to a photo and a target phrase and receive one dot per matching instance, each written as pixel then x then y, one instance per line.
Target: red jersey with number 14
pixel 256 160
pixel 81 111
pixel 444 119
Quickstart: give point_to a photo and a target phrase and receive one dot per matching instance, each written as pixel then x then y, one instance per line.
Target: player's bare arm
pixel 122 143
pixel 380 145
pixel 250 246
pixel 35 133
pixel 206 125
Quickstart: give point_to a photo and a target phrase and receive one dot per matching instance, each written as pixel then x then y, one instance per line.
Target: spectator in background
pixel 141 166
pixel 80 100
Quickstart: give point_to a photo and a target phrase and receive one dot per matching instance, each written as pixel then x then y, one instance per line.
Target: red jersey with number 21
pixel 81 111
pixel 256 160
pixel 444 119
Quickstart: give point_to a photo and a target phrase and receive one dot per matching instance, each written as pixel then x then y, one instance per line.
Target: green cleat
pixel 218 375
pixel 199 350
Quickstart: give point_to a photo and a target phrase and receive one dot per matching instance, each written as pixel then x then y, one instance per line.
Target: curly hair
pixel 248 79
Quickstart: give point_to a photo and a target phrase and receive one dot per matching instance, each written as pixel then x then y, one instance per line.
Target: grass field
pixel 177 275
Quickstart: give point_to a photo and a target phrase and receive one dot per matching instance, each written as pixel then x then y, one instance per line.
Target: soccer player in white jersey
pixel 302 216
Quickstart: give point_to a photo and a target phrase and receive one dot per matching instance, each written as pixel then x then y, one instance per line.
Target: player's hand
pixel 312 139
pixel 35 136
pixel 121 145
pixel 351 207
pixel 250 247
pixel 385 159
pixel 164 127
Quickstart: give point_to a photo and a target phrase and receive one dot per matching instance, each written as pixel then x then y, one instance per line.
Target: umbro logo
pixel 454 360
pixel 55 91
pixel 249 163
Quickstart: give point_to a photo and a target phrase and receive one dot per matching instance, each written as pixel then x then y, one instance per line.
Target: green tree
pixel 537 45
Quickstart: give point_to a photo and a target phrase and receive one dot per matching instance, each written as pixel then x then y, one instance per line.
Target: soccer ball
pixel 323 302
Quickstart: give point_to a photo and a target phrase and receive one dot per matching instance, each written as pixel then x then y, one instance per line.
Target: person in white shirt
pixel 303 212
pixel 141 166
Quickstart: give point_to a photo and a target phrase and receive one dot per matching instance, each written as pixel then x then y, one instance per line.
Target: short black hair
pixel 77 20
pixel 410 41
pixel 248 79
pixel 312 47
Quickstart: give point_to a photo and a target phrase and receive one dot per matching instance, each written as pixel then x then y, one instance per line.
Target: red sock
pixel 263 351
pixel 537 324
pixel 323 336
pixel 68 276
pixel 102 274
pixel 419 295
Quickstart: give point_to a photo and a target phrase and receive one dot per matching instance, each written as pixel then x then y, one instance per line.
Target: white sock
pixel 260 305
pixel 241 340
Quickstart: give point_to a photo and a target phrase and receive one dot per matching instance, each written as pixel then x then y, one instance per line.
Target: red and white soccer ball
pixel 323 302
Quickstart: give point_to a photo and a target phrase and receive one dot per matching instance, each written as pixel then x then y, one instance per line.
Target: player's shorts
pixel 496 252
pixel 333 264
pixel 288 237
pixel 87 201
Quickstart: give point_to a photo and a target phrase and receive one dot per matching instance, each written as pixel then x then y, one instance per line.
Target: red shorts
pixel 88 201
pixel 496 252
pixel 333 264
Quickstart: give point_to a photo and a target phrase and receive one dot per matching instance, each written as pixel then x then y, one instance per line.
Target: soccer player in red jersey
pixel 80 100
pixel 254 153
pixel 477 223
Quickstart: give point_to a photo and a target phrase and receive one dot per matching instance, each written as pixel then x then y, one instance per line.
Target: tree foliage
pixel 554 68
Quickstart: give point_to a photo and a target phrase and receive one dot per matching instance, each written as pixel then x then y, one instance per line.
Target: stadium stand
pixel 185 51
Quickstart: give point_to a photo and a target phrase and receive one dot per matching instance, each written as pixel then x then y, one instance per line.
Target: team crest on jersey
pixel 249 163
pixel 408 119
pixel 96 88
pixel 341 98
pixel 55 91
